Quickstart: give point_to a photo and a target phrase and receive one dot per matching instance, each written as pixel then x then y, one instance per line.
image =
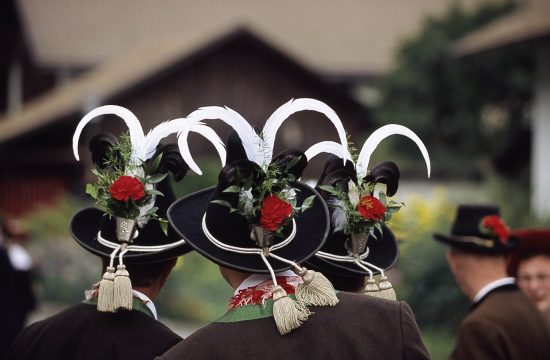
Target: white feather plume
pixel 205 131
pixel 380 134
pixel 294 105
pixel 134 126
pixel 329 147
pixel 155 135
pixel 251 141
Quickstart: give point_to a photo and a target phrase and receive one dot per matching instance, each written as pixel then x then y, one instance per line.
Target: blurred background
pixel 471 78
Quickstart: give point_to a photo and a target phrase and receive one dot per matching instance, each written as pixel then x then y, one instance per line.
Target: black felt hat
pixel 382 251
pixel 186 216
pixel 89 224
pixel 479 229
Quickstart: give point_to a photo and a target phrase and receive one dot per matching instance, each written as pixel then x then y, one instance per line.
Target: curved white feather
pixel 251 141
pixel 155 135
pixel 134 126
pixel 330 147
pixel 205 131
pixel 380 134
pixel 294 105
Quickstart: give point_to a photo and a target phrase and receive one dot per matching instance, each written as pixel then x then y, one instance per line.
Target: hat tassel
pixel 105 296
pixel 316 290
pixel 122 284
pixel 371 288
pixel 288 314
pixel 386 288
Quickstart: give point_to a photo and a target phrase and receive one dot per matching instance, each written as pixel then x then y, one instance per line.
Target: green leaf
pixel 154 192
pixel 291 177
pixel 307 202
pixel 378 227
pixel 233 189
pixel 330 189
pixel 91 190
pixel 164 225
pixel 152 210
pixel 221 202
pixel 155 164
pixel 392 210
pixel 382 197
pixel 291 163
pixel 154 179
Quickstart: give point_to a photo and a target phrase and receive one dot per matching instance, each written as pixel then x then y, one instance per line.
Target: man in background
pixel 502 322
pixel 17 297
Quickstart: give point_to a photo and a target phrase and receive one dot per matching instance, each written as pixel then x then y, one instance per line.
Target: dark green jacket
pixel 359 327
pixel 81 332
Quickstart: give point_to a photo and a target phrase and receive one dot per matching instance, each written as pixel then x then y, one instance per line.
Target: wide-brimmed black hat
pixel 382 251
pixel 89 224
pixel 479 229
pixel 230 228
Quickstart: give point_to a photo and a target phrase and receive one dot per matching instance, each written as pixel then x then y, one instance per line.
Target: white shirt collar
pixel 255 279
pixel 148 302
pixel 493 285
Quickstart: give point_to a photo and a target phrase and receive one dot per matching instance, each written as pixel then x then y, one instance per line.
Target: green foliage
pixel 117 164
pixel 360 195
pixel 195 291
pixel 446 99
pixel 426 281
pixel 253 189
pixel 62 269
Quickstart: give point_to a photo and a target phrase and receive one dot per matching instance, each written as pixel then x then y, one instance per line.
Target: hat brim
pixel 312 227
pixel 383 253
pixel 86 224
pixel 462 243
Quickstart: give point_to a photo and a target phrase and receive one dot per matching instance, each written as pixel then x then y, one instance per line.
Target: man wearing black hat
pixel 502 323
pixel 118 319
pixel 258 224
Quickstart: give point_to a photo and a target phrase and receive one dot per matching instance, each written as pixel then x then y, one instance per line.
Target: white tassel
pixel 371 289
pixel 316 290
pixel 123 289
pixel 105 296
pixel 386 289
pixel 288 314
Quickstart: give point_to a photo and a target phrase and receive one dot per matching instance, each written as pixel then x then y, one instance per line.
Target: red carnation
pixel 274 211
pixel 126 187
pixel 497 227
pixel 371 208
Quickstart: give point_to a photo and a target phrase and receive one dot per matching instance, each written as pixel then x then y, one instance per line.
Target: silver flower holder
pixel 126 229
pixel 358 243
pixel 262 237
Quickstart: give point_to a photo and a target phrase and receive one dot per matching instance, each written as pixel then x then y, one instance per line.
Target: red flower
pixel 126 187
pixel 497 227
pixel 371 208
pixel 274 211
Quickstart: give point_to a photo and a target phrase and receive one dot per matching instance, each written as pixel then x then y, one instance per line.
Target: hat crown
pixel 468 219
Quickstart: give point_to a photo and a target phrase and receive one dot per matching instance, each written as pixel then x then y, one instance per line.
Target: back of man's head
pixel 473 271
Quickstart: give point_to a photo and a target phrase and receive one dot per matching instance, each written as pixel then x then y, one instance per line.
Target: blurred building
pixel 162 60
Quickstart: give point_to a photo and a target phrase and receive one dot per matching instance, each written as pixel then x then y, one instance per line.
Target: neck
pixel 151 292
pixel 480 279
pixel 233 277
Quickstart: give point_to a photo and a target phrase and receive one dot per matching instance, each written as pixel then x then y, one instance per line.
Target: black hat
pixel 132 163
pixel 479 229
pixel 132 192
pixel 381 249
pixel 231 228
pixel 360 244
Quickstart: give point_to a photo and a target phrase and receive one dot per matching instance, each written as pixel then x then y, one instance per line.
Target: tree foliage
pixel 462 108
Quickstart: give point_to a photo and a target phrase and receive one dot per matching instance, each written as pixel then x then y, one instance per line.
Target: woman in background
pixel 530 264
